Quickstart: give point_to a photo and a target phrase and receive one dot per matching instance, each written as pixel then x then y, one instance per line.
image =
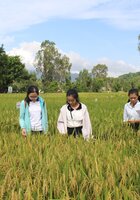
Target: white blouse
pixel 75 118
pixel 62 122
pixel 35 116
pixel 131 112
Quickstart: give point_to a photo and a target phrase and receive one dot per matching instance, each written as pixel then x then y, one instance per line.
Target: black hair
pixel 74 93
pixel 133 91
pixel 31 89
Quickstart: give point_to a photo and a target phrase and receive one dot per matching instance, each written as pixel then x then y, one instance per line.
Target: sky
pixel 89 32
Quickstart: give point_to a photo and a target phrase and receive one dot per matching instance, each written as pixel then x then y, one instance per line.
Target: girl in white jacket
pixel 74 117
pixel 131 112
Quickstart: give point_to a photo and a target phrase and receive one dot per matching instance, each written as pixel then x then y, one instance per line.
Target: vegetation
pixel 56 167
pixel 100 71
pixel 53 66
pixel 98 84
pixel 53 74
pixel 13 73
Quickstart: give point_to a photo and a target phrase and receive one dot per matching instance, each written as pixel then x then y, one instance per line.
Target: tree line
pixel 53 73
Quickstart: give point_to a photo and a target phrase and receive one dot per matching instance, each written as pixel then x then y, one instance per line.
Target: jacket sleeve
pixel 87 128
pixel 22 115
pixel 61 123
pixel 46 116
pixel 125 116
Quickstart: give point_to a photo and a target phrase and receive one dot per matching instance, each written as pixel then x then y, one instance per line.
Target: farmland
pixel 53 166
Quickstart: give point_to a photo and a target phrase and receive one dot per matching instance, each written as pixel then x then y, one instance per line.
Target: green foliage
pixel 97 84
pixel 84 81
pixel 116 86
pixel 54 69
pixel 100 71
pixel 57 167
pixel 24 82
pixel 52 86
pixel 52 65
pixel 130 80
pixel 13 73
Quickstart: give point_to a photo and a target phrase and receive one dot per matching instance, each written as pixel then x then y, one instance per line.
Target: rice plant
pixel 53 166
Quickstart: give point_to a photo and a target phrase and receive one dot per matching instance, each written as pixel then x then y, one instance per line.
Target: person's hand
pixel 132 121
pixel 24 132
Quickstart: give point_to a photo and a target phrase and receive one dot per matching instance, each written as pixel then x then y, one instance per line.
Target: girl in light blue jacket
pixel 33 113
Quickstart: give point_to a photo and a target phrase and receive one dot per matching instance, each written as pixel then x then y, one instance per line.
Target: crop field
pixel 52 166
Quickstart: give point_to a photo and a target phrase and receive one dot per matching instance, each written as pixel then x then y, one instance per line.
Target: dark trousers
pixel 135 126
pixel 76 131
pixel 37 132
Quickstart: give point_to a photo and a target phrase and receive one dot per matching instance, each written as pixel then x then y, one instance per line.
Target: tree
pixel 116 86
pixel 12 71
pixel 3 64
pixel 84 81
pixel 21 84
pixel 100 71
pixel 52 65
pixel 97 84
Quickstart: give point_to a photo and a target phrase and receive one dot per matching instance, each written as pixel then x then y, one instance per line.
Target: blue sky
pixel 89 32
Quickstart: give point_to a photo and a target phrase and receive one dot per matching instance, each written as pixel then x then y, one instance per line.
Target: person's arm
pixel 46 116
pixel 126 119
pixel 125 116
pixel 22 118
pixel 87 128
pixel 61 123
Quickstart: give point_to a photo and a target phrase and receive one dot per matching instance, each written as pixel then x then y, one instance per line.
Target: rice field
pixel 53 166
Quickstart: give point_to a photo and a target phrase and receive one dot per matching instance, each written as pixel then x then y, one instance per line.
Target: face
pixel 33 96
pixel 71 100
pixel 133 98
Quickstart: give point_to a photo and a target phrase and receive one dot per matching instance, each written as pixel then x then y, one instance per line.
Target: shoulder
pixel 64 107
pixel 127 105
pixel 84 107
pixel 22 103
pixel 41 99
pixel 138 105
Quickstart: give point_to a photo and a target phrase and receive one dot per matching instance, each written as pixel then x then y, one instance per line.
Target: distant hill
pixel 124 76
pixel 130 75
pixel 73 75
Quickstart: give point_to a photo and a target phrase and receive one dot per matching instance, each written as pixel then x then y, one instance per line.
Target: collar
pixel 129 104
pixel 71 109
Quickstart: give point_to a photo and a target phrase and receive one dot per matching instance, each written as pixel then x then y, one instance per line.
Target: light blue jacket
pixel 24 118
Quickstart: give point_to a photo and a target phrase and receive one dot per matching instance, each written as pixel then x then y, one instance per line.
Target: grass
pixel 57 167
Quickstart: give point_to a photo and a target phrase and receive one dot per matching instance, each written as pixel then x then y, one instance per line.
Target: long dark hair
pixel 31 89
pixel 133 91
pixel 74 93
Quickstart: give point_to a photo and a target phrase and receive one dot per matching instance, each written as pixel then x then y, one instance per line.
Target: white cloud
pixel 27 52
pixel 115 67
pixel 78 63
pixel 119 67
pixel 17 15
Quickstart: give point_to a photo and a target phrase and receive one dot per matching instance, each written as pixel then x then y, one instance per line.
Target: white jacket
pixel 62 122
pixel 131 113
